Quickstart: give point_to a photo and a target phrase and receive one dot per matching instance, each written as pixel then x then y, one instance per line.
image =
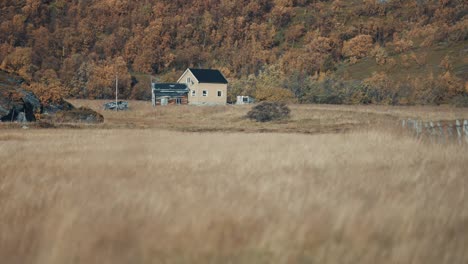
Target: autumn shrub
pixel 380 54
pixel 323 92
pixel 101 83
pixel 441 89
pixel 19 61
pixel 269 111
pixel 381 89
pixel 460 100
pixel 295 61
pixel 335 91
pixel 430 34
pixel 140 92
pixel 420 59
pixel 5 50
pixel 458 31
pixel 426 90
pixel 48 94
pixel 450 84
pixel 400 45
pixel 358 47
pixel 269 86
pixel 274 94
pixel 294 33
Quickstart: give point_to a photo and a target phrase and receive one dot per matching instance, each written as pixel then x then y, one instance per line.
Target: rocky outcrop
pixel 20 105
pixel 16 103
pixel 77 115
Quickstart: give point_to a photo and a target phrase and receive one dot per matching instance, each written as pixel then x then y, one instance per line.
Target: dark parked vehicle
pixel 121 105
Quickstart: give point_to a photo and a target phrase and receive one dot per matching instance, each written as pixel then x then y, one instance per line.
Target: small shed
pixel 242 99
pixel 169 93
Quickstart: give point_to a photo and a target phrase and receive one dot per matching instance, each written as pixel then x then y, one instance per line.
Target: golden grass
pixel 159 196
pixel 309 119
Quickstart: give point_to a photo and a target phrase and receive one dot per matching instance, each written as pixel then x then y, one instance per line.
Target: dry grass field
pixel 189 185
pixel 308 119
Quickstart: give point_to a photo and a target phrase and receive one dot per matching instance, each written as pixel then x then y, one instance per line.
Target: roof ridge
pixel 208 75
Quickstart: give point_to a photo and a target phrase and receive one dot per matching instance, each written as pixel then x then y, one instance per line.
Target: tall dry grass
pixel 309 119
pixel 153 196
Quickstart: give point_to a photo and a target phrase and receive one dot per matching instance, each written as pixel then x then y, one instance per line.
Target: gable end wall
pixel 212 88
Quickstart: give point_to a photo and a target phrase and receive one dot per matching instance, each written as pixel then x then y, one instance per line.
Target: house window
pixel 220 93
pixel 189 81
pixel 205 93
pixel 194 93
pixel 178 100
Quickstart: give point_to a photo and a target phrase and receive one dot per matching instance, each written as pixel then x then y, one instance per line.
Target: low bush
pixel 460 101
pixel 269 111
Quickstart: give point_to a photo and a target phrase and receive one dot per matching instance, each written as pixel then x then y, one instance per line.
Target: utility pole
pixel 116 92
pixel 153 97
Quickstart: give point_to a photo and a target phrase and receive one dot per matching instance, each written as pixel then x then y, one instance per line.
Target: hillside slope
pixel 79 46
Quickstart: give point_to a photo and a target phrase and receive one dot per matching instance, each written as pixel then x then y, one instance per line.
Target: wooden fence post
pixel 411 125
pixel 441 133
pixel 417 128
pixel 438 132
pixel 427 129
pixel 465 128
pixel 420 129
pixel 459 131
pixel 449 131
pixel 432 133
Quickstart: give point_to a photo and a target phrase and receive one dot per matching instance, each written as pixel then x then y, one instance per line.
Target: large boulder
pixel 60 105
pixel 20 105
pixel 16 103
pixel 77 115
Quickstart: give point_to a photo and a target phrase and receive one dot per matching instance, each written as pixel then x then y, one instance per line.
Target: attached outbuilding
pixel 206 86
pixel 169 93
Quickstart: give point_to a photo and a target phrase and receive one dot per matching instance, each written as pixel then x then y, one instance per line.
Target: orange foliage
pixel 445 64
pixel 295 32
pixel 450 84
pixel 19 61
pixel 358 46
pixel 384 88
pixel 420 58
pixel 274 94
pixel 102 80
pixel 400 44
pixel 80 40
pixel 380 54
pixel 48 94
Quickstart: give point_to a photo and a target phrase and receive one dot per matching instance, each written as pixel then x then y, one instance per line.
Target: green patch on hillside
pixel 417 62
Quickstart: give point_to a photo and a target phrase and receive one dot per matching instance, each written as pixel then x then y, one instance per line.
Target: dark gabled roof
pixel 208 76
pixel 170 86
pixel 170 89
